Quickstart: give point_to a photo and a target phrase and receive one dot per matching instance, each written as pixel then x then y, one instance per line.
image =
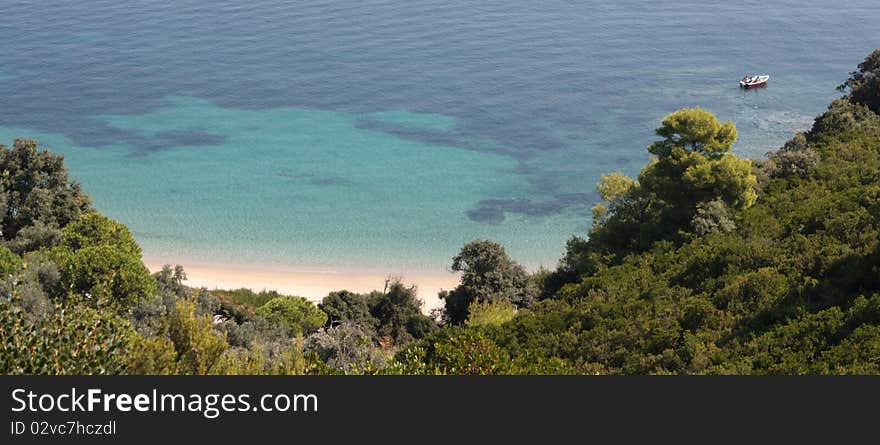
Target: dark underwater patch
pixel 494 211
pixel 519 142
pixel 423 135
pixel 311 178
pixel 183 138
pixel 176 138
pixel 329 180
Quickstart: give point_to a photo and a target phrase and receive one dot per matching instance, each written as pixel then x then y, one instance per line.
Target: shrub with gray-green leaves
pixel 795 158
pixel 348 347
pixel 712 216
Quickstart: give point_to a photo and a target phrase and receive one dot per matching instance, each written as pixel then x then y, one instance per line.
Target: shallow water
pixel 383 134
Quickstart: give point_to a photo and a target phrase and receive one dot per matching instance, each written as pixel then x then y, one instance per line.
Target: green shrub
pixel 94 230
pixel 71 340
pixel 10 263
pixel 452 350
pixel 103 276
pixel 490 313
pixel 297 313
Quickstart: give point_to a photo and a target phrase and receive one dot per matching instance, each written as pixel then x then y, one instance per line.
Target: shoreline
pixel 311 283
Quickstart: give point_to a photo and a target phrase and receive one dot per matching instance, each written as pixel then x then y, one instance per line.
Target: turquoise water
pixel 384 134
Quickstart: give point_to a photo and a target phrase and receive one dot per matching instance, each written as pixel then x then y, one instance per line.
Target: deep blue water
pixel 383 134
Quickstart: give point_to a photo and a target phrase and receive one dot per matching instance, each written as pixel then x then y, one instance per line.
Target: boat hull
pixel 755 81
pixel 753 85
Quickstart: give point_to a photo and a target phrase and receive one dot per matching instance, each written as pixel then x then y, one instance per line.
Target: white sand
pixel 311 283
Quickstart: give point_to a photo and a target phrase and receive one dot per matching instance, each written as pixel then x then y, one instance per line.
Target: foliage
pixel 795 158
pixel 694 185
pixel 347 347
pixel 864 83
pixel 790 288
pixel 694 165
pixel 348 307
pixel 154 356
pixel 34 285
pixel 94 230
pixel 708 264
pixel 488 274
pixel 36 194
pixel 299 314
pixel 253 332
pixel 398 312
pixel 103 276
pixel 452 350
pixel 36 236
pixel 186 344
pixel 289 360
pixel 70 340
pixel 489 313
pixel 149 314
pixel 613 188
pixel 247 297
pixel 712 216
pixel 10 263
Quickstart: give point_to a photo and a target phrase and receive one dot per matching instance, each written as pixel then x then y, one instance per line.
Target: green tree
pixel 100 263
pixel 487 274
pixel 695 130
pixel 694 164
pixel 348 307
pixel 36 194
pixel 614 188
pixel 693 171
pixel 297 313
pixel 398 312
pixel 94 229
pixel 153 355
pixel 864 83
pixel 103 275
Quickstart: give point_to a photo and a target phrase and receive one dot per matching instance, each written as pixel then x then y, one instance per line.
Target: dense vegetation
pixel 706 263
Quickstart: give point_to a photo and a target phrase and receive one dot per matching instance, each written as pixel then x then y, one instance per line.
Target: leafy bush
pixel 298 314
pixel 398 312
pixel 712 216
pixel 95 230
pixel 248 297
pixel 103 276
pixel 348 307
pixel 10 263
pixel 452 350
pixel 347 347
pixel 185 344
pixel 71 340
pixel 490 313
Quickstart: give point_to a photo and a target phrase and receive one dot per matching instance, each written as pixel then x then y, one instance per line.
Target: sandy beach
pixel 312 283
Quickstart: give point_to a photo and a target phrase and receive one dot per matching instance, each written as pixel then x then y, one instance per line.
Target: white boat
pixel 754 81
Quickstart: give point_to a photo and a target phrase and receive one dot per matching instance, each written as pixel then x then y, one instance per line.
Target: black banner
pixel 236 410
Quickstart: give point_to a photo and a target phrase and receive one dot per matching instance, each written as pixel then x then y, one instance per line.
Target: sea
pixel 382 135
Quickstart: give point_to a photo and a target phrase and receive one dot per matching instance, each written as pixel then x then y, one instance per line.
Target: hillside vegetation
pixel 706 263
